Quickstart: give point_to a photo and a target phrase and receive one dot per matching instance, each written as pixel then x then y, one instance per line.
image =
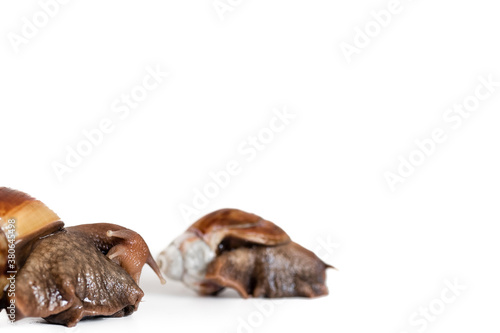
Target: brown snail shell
pixel 235 249
pixel 239 226
pixel 67 274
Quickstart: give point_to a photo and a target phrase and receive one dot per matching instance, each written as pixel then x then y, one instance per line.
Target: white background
pixel 321 178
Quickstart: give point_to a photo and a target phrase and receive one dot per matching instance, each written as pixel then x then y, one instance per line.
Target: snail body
pixel 64 288
pixel 66 274
pixel 235 249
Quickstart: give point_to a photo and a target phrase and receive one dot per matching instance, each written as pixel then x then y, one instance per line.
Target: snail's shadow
pixel 152 286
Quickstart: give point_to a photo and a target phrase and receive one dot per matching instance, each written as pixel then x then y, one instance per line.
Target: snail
pixel 235 249
pixel 66 274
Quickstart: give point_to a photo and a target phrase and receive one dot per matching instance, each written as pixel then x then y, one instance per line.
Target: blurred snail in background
pixel 239 250
pixel 66 274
